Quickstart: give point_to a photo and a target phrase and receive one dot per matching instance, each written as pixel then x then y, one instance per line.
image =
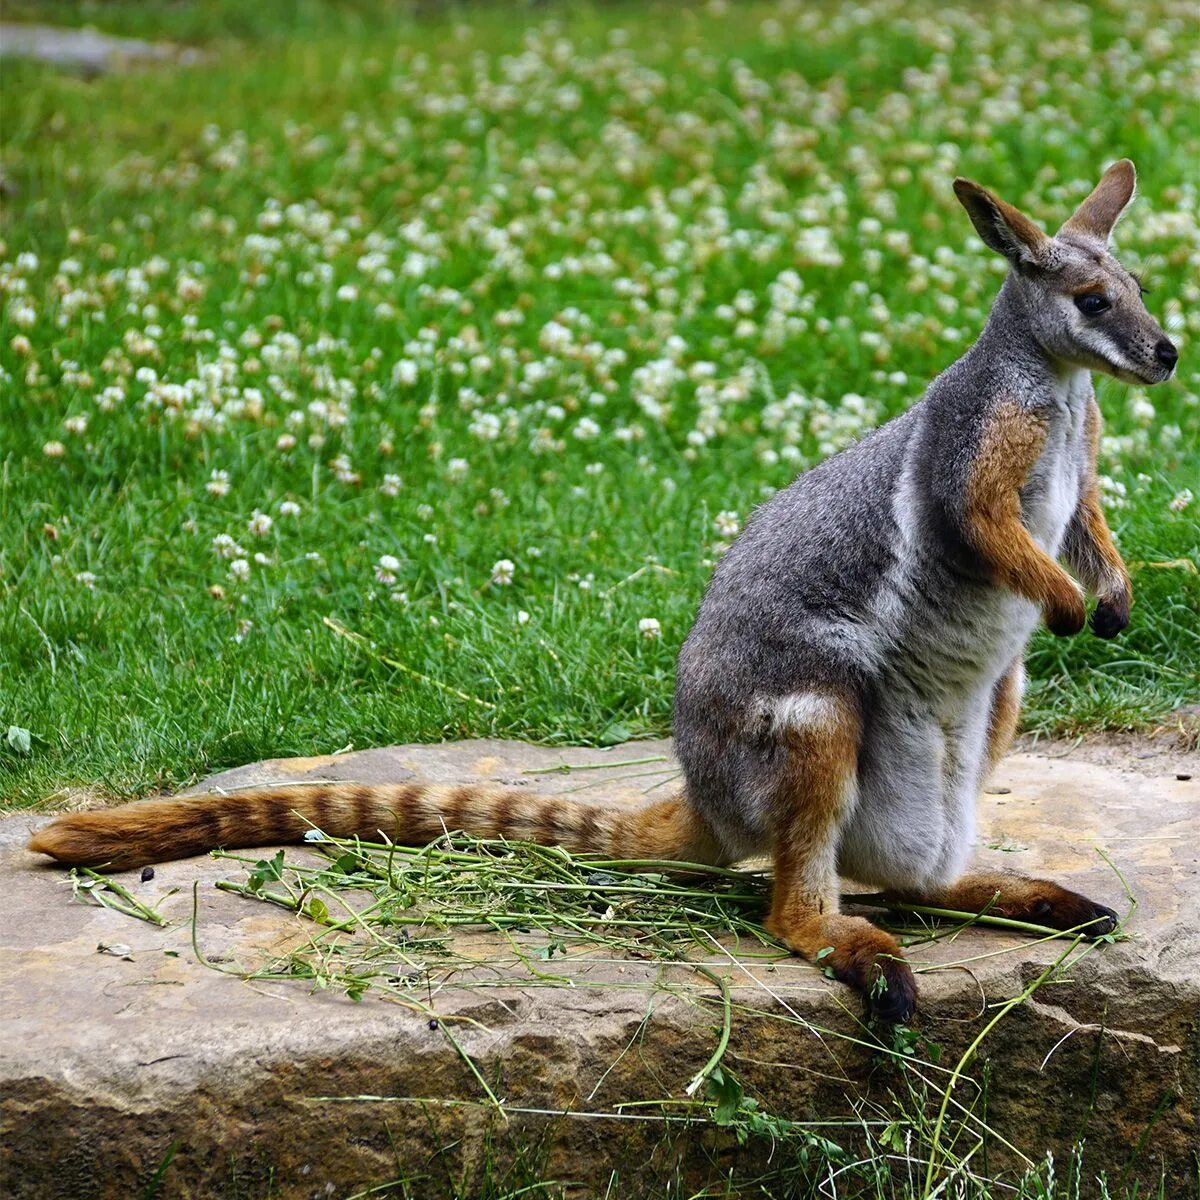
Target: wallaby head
pixel 1082 307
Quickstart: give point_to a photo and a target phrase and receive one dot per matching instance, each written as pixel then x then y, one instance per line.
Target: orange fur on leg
pixel 1006 712
pixel 1020 899
pixel 811 802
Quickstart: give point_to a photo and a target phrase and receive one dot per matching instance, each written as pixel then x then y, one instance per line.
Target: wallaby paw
pixel 1111 615
pixel 1066 616
pixel 853 951
pixel 878 973
pixel 1043 902
pixel 892 994
pixel 1060 908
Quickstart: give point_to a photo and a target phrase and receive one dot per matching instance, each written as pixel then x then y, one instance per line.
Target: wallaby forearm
pixel 1091 554
pixel 1090 550
pixel 1010 445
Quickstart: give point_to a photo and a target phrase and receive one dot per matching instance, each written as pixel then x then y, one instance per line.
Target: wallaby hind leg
pixel 1019 898
pixel 1008 895
pixel 1006 712
pixel 815 787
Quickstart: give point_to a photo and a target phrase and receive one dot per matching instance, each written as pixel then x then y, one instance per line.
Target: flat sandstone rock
pixel 108 1060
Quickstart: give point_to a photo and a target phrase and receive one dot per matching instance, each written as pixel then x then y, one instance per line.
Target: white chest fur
pixel 1051 493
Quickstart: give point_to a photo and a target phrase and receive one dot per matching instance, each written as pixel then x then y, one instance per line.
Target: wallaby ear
pixel 1097 215
pixel 1005 229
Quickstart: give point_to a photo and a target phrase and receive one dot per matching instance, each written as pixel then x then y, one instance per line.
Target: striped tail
pixel 149 831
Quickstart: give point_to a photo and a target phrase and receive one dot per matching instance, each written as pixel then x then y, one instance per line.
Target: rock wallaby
pixel 856 666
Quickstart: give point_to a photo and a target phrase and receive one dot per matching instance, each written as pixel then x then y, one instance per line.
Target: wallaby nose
pixel 1166 354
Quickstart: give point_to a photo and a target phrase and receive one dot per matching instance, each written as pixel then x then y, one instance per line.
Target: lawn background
pixel 703 152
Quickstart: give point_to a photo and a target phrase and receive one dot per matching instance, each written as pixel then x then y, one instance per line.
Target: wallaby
pixel 856 665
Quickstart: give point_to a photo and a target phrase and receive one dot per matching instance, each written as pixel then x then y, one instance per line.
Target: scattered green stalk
pixel 396 664
pixel 132 906
pixel 949 914
pixel 572 768
pixel 969 1053
pixel 718 1053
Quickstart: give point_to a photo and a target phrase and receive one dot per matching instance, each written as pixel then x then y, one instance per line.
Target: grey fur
pixel 859 579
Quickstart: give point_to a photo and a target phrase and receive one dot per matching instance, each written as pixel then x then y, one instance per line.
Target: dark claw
pixel 896 1003
pixel 1063 909
pixel 1105 921
pixel 1109 619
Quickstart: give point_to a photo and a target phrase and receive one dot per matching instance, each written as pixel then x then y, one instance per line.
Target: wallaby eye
pixel 1091 304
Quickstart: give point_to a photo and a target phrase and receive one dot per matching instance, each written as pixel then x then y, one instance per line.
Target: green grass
pixel 689 164
pixel 523 167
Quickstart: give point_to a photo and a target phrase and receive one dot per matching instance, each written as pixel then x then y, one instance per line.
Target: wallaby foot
pixel 856 953
pixel 1020 898
pixel 1111 615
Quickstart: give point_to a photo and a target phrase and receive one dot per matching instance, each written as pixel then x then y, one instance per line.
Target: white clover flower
pixel 110 397
pixel 188 288
pixel 727 524
pixel 24 315
pixel 218 484
pixel 502 572
pixel 386 568
pixel 555 338
pixel 1115 492
pixel 456 469
pixel 485 426
pixel 522 617
pixel 344 471
pixel 285 442
pixel 223 546
pixel 649 628
pixel 239 570
pixel 1141 410
pixel 87 579
pixel 405 372
pixel 54 449
pixel 1181 500
pixel 391 485
pixel 289 508
pixel 259 524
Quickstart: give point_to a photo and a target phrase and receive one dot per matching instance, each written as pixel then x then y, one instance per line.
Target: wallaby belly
pixel 924 748
pixel 913 824
pixel 925 737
